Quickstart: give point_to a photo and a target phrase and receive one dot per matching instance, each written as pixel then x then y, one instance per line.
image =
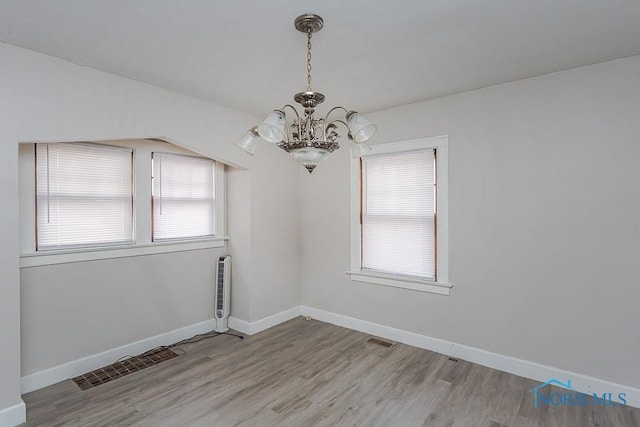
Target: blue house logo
pixel 543 396
pixel 537 393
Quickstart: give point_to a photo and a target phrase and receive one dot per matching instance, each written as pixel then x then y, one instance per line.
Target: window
pixel 183 197
pixel 398 213
pixel 399 216
pixel 84 195
pixel 82 201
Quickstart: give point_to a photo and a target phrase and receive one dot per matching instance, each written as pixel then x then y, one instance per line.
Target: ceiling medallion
pixel 309 140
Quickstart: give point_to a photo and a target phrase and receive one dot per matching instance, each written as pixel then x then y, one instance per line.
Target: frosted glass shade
pixel 248 141
pixel 361 128
pixel 309 157
pixel 272 128
pixel 359 150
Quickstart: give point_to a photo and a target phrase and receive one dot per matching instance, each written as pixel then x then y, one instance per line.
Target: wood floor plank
pixel 309 373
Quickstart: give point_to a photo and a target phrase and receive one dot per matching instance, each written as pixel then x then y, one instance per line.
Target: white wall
pixel 46 99
pixel 239 226
pixel 9 272
pixel 70 311
pixel 544 219
pixel 265 234
pixel 275 232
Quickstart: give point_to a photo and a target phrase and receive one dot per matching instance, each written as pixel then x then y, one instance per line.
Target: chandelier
pixel 308 139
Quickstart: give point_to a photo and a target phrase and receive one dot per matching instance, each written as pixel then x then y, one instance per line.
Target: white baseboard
pixel 240 325
pixel 251 328
pixel 47 377
pixel 276 319
pixel 523 368
pixel 13 415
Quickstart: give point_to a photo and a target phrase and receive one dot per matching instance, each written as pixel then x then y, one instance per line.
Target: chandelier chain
pixel 309 61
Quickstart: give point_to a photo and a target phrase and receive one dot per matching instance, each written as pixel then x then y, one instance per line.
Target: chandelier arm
pixel 340 121
pixel 339 107
pixel 333 122
pixel 293 108
pixel 297 121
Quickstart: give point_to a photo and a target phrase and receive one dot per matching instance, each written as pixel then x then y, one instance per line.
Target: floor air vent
pixel 123 368
pixel 381 342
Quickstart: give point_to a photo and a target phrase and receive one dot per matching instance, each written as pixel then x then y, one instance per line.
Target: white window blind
pixel 183 197
pixel 84 195
pixel 398 213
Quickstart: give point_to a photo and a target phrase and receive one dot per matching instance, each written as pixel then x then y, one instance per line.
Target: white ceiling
pixel 371 55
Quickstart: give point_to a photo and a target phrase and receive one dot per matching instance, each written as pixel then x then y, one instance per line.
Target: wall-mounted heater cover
pixel 223 293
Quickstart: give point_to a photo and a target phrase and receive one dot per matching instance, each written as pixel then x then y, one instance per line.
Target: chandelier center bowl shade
pixel 308 139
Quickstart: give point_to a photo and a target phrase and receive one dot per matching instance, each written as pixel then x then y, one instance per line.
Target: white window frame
pixel 442 286
pixel 143 244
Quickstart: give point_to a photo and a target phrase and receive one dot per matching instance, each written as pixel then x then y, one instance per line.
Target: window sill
pixel 36 259
pixel 439 288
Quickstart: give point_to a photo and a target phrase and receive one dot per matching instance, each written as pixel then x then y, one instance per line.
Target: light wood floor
pixel 308 373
